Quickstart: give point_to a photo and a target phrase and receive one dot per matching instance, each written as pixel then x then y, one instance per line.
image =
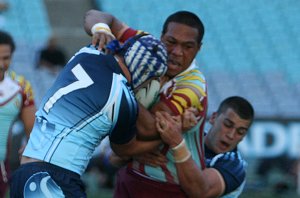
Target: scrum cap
pixel 145 57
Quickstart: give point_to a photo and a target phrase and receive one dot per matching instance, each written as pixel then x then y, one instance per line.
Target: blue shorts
pixel 41 179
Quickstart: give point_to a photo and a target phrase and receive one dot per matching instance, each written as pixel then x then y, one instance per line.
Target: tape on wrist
pixel 182 143
pixel 181 153
pixel 183 159
pixel 101 27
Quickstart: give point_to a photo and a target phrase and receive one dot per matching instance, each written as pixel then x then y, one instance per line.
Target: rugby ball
pixel 148 94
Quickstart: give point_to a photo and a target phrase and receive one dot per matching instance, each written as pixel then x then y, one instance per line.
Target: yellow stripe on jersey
pixel 178 107
pixel 196 88
pixel 187 94
pixel 187 89
pixel 25 85
pixel 181 102
pixel 193 77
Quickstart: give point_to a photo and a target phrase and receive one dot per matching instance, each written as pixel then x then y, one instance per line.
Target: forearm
pixel 146 122
pixel 191 179
pixel 146 125
pixel 206 183
pixel 94 16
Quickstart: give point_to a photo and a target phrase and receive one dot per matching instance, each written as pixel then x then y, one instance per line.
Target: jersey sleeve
pixel 128 34
pixel 125 126
pixel 187 90
pixel 26 88
pixel 232 168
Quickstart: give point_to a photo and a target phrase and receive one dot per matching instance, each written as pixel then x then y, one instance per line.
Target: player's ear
pixel 213 117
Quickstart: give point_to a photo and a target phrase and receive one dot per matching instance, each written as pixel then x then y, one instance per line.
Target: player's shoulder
pixel 19 79
pixel 231 158
pixel 233 155
pixel 24 84
pixel 86 50
pixel 192 79
pixel 192 75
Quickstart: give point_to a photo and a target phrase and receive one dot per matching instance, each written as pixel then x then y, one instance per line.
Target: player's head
pixel 182 34
pixel 230 124
pixel 145 57
pixel 186 18
pixel 239 105
pixel 7 47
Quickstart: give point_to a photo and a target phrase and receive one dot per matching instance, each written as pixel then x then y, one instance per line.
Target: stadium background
pixel 250 48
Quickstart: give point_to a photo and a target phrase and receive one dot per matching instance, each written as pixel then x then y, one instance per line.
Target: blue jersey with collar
pixel 231 166
pixel 90 99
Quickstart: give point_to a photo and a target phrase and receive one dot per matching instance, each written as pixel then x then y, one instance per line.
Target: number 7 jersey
pixel 89 100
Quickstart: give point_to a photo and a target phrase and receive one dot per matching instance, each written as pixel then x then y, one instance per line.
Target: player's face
pixel 228 129
pixel 182 47
pixel 5 58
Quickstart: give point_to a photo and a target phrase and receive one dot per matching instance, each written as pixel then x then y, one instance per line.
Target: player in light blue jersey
pixel 225 172
pixel 93 97
pixel 16 102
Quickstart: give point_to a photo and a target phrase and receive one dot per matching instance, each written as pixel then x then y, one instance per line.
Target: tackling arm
pixel 193 180
pixel 146 121
pixel 199 183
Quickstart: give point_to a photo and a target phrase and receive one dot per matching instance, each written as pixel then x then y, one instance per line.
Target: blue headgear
pixel 145 57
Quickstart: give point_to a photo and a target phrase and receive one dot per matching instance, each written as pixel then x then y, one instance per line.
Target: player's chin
pixel 173 64
pixel 173 70
pixel 224 147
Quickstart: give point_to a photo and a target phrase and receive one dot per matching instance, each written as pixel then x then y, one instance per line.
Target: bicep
pixel 146 121
pixel 215 182
pixel 162 106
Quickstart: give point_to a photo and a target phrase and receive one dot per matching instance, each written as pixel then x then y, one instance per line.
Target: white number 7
pixel 83 81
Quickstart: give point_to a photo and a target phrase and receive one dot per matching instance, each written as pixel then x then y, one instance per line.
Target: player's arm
pixel 193 180
pixel 123 135
pixel 227 174
pixel 199 183
pixel 185 95
pixel 28 116
pixel 146 121
pixel 102 36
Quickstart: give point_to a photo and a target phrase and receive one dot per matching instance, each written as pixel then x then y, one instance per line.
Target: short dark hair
pixel 5 38
pixel 186 18
pixel 240 106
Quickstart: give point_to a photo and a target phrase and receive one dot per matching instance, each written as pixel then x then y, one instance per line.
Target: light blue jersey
pixel 15 94
pixel 91 99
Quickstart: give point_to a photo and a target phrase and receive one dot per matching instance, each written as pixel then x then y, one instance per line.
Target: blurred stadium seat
pixel 27 22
